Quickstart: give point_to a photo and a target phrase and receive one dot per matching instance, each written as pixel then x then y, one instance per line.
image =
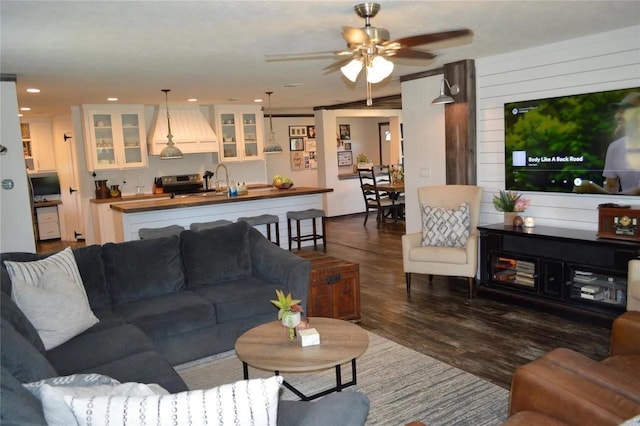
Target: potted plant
pixel 289 311
pixel 511 203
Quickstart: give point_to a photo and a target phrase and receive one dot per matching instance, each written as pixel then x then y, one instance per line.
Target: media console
pixel 567 271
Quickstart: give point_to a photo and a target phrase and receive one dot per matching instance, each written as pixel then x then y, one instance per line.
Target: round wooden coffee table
pixel 267 347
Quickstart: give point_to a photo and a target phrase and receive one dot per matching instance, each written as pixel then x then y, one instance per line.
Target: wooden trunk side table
pixel 334 287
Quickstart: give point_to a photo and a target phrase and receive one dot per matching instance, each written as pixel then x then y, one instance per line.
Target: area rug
pixel 403 385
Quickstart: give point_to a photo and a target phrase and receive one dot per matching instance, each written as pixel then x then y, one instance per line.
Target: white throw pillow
pixel 244 403
pixel 51 295
pixel 443 227
pixel 51 393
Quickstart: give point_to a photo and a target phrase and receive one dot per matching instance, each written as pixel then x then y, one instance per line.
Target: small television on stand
pixel 45 186
pixel 561 144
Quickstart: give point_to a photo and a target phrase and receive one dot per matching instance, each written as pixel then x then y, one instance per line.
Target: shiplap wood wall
pixel 605 61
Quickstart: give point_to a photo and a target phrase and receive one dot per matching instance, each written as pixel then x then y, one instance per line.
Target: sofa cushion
pixel 141 269
pixel 91 267
pixel 244 403
pixel 240 299
pixel 19 406
pixel 143 367
pixel 91 349
pixel 168 315
pixel 5 280
pixel 351 408
pixel 217 255
pixel 55 304
pixel 51 393
pixel 10 312
pixel 21 358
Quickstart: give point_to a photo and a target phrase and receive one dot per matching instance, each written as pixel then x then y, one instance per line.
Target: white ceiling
pixel 80 52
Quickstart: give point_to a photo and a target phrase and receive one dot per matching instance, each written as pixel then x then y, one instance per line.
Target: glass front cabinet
pixel 240 132
pixel 115 137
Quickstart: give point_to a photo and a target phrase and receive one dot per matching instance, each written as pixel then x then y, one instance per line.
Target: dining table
pixel 395 191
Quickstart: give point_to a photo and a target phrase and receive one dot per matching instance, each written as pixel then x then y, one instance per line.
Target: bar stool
pixel 302 215
pixel 209 225
pixel 265 219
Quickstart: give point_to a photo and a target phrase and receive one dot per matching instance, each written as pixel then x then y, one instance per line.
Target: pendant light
pixel 271 145
pixel 170 152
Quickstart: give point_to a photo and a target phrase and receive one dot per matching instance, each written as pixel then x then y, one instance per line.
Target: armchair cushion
pixel 444 227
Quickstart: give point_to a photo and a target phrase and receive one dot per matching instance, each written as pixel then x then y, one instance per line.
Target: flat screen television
pixel 45 184
pixel 560 144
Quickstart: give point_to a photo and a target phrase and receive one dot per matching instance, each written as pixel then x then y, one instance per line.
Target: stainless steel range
pixel 182 184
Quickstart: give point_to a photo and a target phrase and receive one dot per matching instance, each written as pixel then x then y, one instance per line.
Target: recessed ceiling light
pixel 20 115
pixel 192 100
pixel 112 99
pixel 25 109
pixel 257 100
pixel 233 99
pixel 33 90
pixel 293 85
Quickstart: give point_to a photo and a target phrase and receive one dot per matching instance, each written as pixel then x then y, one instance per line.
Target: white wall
pixel 346 197
pixel 424 142
pixel 605 61
pixel 16 228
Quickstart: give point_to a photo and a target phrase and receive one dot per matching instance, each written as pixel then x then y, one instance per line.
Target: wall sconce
pixel 443 98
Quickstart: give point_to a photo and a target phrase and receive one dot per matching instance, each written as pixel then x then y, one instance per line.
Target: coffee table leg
pixel 353 371
pixel 245 370
pixel 338 379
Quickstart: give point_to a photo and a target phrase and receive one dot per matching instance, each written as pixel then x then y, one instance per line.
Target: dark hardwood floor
pixel 481 336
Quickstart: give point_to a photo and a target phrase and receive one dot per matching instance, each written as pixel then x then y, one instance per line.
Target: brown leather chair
pixel 567 388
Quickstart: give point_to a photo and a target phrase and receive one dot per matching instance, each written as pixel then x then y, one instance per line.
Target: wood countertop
pixel 208 198
pixel 139 197
pixel 48 203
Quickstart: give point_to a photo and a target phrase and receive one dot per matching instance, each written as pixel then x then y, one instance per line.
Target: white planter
pixel 291 319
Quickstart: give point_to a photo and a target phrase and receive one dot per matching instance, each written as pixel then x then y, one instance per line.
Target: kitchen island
pixel 208 206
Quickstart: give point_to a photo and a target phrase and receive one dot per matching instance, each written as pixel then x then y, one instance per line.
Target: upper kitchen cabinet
pixel 241 130
pixel 115 137
pixel 37 144
pixel 192 133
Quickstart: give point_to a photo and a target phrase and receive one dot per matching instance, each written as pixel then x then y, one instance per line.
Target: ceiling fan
pixel 369 47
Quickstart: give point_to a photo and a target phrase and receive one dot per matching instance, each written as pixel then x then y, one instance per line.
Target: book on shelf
pixel 504 276
pixel 524 280
pixel 584 278
pixel 505 262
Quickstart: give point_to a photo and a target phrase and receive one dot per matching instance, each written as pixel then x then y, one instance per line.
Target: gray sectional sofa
pixel 162 302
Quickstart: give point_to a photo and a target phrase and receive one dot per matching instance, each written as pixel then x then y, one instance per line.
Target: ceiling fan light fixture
pixel 352 69
pixel 379 69
pixel 443 98
pixel 171 151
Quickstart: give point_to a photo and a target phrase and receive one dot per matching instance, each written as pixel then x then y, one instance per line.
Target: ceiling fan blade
pixel 294 56
pixel 355 35
pixel 412 54
pixel 426 38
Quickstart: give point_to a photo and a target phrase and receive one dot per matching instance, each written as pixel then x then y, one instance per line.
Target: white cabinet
pixel 48 223
pixel 115 137
pixel 37 143
pixel 240 132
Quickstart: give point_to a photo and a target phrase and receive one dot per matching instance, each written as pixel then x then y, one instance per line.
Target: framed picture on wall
pixel 311 132
pixel 296 144
pixel 345 132
pixel 297 160
pixel 347 146
pixel 345 158
pixel 295 131
pixel 310 145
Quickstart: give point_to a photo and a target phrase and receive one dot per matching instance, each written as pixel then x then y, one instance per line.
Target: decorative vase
pixel 291 319
pixel 508 218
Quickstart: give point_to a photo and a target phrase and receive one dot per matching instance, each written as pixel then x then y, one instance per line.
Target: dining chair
pixel 373 198
pixel 448 242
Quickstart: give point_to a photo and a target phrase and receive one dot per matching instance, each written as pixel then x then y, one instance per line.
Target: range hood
pixel 191 131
